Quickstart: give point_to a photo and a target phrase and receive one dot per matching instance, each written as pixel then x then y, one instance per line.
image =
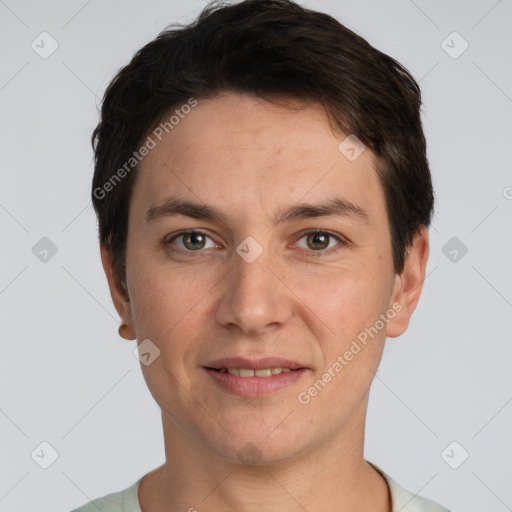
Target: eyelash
pixel 343 242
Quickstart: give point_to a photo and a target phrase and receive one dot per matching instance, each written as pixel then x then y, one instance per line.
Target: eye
pixel 188 241
pixel 319 241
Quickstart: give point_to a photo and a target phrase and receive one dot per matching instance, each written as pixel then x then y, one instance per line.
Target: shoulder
pixel 405 501
pixel 121 501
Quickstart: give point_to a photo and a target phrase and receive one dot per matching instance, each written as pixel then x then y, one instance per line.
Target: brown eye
pixel 191 241
pixel 194 241
pixel 318 241
pixel 321 242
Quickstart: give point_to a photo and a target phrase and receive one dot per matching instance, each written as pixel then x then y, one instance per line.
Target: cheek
pixel 163 294
pixel 346 300
pixel 353 341
pixel 167 310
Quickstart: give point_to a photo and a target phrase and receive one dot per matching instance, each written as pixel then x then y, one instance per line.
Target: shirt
pixel 128 501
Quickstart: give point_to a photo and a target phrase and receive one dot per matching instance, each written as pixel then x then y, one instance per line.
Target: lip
pixel 252 387
pixel 254 364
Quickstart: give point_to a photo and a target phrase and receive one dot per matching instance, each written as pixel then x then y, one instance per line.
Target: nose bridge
pixel 254 298
pixel 252 277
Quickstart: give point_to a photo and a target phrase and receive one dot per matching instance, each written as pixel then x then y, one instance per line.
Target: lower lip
pixel 255 386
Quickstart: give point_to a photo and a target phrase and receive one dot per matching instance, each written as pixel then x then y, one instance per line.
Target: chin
pixel 258 447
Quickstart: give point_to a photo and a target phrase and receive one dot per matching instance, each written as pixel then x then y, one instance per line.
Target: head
pixel 237 126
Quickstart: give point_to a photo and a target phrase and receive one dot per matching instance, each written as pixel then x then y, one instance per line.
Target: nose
pixel 254 297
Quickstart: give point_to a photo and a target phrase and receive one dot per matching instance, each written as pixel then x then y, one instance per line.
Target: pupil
pixel 194 241
pixel 318 241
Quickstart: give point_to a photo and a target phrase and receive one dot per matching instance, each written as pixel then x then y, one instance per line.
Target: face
pixel 252 236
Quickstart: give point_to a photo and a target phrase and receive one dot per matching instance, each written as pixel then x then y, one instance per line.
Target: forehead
pixel 236 150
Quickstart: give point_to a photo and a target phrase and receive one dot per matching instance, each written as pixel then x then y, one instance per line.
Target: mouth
pixel 253 378
pixel 245 364
pixel 249 372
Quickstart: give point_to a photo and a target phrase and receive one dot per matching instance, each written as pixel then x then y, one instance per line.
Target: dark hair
pixel 274 50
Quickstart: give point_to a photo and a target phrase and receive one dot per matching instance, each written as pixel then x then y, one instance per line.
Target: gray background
pixel 68 379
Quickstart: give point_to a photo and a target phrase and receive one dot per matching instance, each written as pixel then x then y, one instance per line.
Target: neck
pixel 330 477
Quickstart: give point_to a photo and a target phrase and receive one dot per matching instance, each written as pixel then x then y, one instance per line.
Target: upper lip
pixel 253 364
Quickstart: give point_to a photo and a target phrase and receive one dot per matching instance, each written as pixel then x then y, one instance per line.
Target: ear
pixel 119 295
pixel 408 284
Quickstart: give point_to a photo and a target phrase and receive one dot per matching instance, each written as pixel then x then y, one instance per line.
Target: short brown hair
pixel 272 49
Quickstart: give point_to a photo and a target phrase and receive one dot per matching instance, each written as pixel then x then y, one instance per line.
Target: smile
pixel 251 383
pixel 248 372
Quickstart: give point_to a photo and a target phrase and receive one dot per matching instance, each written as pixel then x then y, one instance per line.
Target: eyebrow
pixel 339 207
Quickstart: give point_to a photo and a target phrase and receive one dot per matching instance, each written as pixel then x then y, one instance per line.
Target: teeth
pixel 247 372
pixel 266 372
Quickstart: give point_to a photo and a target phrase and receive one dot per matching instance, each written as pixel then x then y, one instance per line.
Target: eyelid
pixel 343 241
pixel 168 240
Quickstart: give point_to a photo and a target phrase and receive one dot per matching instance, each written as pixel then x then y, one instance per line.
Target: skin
pixel 252 160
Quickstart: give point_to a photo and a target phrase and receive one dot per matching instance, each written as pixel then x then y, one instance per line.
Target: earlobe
pixel 126 332
pixel 119 295
pixel 409 283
